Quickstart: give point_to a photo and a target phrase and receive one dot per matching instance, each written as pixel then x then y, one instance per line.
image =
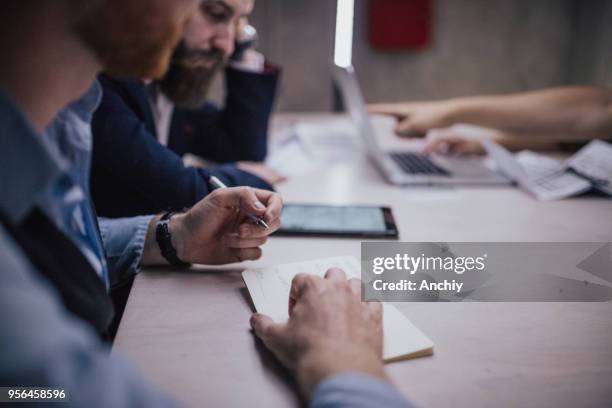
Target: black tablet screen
pixel 333 219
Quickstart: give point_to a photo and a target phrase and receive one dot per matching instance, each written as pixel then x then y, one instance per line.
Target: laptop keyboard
pixel 415 163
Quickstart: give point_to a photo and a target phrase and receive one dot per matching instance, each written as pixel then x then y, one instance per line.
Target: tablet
pixel 339 221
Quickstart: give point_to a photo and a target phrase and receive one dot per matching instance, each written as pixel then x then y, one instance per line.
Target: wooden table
pixel 189 331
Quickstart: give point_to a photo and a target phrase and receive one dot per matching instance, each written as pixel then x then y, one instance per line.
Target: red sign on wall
pixel 399 24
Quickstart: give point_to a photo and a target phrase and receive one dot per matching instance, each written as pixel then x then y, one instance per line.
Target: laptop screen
pixel 346 80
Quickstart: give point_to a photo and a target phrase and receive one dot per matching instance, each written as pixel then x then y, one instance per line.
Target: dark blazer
pixel 133 174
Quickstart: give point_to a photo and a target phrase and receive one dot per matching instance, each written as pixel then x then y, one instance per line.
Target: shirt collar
pixel 86 105
pixel 27 167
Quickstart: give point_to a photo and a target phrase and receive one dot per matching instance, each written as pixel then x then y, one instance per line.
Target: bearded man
pixel 142 129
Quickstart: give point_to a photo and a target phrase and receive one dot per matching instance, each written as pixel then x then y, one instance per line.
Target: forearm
pixel 530 141
pixel 565 113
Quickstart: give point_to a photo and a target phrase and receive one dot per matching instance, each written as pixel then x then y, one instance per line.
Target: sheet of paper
pixel 542 178
pixel 291 160
pixel 306 147
pixel 536 165
pixel 269 289
pixel 556 187
pixel 594 161
pixel 330 142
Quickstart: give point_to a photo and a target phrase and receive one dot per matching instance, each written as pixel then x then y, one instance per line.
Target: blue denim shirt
pixel 66 201
pixel 69 137
pixel 41 344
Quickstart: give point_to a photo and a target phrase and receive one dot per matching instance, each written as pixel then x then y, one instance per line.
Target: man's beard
pixel 128 42
pixel 188 79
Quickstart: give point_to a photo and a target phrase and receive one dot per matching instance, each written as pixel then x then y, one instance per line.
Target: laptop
pixel 409 167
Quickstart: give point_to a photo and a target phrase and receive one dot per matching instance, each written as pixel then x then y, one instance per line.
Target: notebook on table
pixel 269 290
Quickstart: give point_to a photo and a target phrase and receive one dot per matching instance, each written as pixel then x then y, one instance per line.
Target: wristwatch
pixel 164 240
pixel 247 40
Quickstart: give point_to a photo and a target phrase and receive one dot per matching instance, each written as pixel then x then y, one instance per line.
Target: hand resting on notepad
pixel 329 330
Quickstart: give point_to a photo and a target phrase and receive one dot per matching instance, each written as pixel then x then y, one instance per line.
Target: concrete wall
pixel 590 59
pixel 478 46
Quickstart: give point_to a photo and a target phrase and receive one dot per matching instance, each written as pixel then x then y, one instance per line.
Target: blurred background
pixel 473 47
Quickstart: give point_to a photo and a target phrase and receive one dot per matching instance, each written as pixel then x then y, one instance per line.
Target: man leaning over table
pixel 53 273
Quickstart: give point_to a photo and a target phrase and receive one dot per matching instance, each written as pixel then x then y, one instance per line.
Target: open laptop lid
pixel 346 81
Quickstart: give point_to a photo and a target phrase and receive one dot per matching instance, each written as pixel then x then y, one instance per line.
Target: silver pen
pixel 216 183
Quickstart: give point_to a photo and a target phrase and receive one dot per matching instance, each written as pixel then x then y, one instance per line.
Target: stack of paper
pixel 594 162
pixel 306 147
pixel 549 179
pixel 269 289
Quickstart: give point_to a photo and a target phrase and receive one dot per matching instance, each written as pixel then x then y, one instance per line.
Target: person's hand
pixel 217 230
pixel 415 119
pixel 262 171
pixel 329 330
pixel 450 142
pixel 459 140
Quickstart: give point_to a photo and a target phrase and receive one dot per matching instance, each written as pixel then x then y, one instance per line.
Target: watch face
pixel 249 33
pixel 245 39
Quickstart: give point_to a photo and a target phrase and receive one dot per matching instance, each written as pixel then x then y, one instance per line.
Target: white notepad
pixel 269 289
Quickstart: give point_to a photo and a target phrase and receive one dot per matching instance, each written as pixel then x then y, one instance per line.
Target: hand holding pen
pixel 218 230
pixel 216 184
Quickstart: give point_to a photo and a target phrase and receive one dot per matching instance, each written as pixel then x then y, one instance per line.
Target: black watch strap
pixel 163 237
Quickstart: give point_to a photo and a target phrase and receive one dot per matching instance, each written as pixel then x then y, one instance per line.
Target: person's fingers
pixel 355 286
pixel 456 148
pixel 390 109
pixel 264 327
pixel 248 229
pixel 453 146
pixel 302 283
pixel 274 225
pixel 335 275
pixel 262 203
pixel 238 197
pixel 443 141
pixel 234 240
pixel 435 145
pixel 468 147
pixel 296 283
pixel 375 309
pixel 407 128
pixel 273 202
pixel 245 254
pixel 250 203
pixel 292 303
